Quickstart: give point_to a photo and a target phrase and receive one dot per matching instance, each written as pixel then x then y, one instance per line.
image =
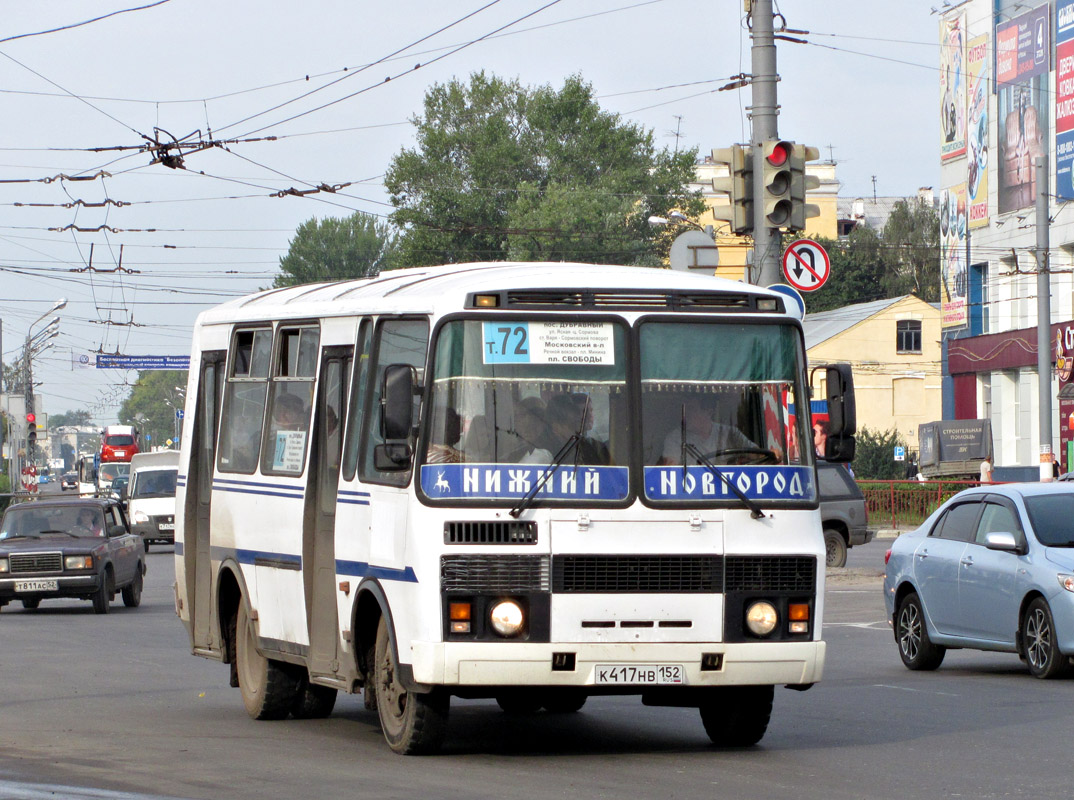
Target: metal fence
pixel 906 504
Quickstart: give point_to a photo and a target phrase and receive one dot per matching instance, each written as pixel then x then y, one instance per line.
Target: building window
pixel 908 336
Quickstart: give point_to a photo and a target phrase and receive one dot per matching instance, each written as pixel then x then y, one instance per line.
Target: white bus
pixel 529 482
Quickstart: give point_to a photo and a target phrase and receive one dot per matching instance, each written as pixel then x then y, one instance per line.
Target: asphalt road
pixel 114 707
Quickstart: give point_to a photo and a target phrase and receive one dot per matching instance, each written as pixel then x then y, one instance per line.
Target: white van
pixel 151 496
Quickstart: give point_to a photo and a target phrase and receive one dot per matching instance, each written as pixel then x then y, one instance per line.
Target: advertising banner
pixel 1022 61
pixel 1064 100
pixel 979 68
pixel 953 267
pixel 143 362
pixel 961 440
pixel 953 87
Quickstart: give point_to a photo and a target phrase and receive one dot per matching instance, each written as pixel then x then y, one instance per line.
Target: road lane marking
pixel 909 689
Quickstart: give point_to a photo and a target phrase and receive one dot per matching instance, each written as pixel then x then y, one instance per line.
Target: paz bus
pixel 533 482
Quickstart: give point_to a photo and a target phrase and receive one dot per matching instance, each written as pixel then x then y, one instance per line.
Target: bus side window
pixel 356 407
pixel 290 401
pixel 399 341
pixel 244 401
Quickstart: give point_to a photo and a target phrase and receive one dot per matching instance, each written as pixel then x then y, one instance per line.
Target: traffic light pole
pixel 763 111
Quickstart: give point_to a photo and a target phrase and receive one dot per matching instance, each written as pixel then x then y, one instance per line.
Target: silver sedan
pixel 991 569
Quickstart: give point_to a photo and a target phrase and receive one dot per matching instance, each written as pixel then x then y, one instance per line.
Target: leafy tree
pixel 151 405
pixel 904 258
pixel 80 417
pixel 912 249
pixel 874 456
pixel 337 249
pixel 502 171
pixel 858 272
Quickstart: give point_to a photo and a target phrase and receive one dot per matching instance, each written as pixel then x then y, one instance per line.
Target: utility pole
pixel 1044 321
pixel 767 240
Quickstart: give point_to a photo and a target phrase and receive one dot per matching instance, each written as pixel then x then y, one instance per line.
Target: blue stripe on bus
pixel 363 569
pixel 256 491
pixel 354 569
pixel 352 502
pixel 353 493
pixel 290 486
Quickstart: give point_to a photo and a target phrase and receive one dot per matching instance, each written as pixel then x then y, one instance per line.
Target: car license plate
pixel 37 586
pixel 638 673
pixel 121 453
pixel 166 526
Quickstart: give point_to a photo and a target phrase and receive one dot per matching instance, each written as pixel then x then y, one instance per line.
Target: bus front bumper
pixel 521 664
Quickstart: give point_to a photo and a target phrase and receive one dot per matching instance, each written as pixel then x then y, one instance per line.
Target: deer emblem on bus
pixel 441 484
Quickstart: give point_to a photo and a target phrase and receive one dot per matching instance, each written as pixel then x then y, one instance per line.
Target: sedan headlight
pixel 507 618
pixel 78 562
pixel 761 618
pixel 141 516
pixel 1066 581
pixel 3 565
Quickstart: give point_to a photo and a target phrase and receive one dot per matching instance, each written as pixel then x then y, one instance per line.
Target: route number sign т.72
pixel 806 266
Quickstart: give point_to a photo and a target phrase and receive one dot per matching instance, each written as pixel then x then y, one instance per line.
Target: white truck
pixel 151 496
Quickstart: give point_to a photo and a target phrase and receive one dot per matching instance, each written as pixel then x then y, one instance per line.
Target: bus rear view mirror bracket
pixel 392 457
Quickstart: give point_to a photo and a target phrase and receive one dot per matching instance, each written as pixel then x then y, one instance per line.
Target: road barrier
pixel 906 504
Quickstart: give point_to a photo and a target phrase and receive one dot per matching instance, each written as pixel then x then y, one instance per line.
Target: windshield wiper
pixel 67 532
pixel 21 536
pixel 569 446
pixel 688 448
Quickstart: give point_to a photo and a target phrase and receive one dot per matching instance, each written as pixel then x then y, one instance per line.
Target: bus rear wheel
pixel 413 723
pixel 737 716
pixel 268 687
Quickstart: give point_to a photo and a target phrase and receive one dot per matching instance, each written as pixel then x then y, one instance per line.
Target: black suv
pixel 842 512
pixel 69 548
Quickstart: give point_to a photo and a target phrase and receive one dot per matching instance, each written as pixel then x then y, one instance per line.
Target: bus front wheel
pixel 268 687
pixel 413 723
pixel 737 716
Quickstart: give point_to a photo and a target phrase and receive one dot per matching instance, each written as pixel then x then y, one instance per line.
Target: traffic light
pixel 738 186
pixel 800 184
pixel 777 183
pixel 31 429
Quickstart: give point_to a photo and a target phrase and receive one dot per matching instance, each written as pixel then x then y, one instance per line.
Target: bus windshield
pixel 726 394
pixel 508 395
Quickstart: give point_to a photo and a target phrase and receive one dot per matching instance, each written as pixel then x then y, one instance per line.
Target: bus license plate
pixel 166 526
pixel 644 674
pixel 36 586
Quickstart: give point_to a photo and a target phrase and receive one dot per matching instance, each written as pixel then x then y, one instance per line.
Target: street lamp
pixel 50 331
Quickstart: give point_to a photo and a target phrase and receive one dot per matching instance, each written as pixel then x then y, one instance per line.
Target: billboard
pixel 978 70
pixel 953 86
pixel 1022 62
pixel 953 267
pixel 1064 100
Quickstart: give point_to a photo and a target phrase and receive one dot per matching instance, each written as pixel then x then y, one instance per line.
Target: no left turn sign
pixel 806 266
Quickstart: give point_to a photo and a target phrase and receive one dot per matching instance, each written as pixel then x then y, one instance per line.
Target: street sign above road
pixel 694 251
pixel 806 266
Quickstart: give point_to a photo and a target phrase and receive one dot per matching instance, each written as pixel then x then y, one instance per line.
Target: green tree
pixel 911 241
pixel 337 249
pixel 80 417
pixel 874 456
pixel 151 405
pixel 502 171
pixel 858 272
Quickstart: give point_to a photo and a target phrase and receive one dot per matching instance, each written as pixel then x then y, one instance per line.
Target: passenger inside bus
pixel 443 447
pixel 289 413
pixel 532 431
pixel 698 417
pixel 565 415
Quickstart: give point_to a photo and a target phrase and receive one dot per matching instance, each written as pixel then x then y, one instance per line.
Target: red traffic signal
pixel 31 418
pixel 778 154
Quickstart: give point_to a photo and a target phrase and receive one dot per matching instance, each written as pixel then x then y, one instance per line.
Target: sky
pixel 138 249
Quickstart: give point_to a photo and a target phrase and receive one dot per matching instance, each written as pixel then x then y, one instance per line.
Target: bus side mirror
pixel 842 413
pixel 396 419
pixel 397 402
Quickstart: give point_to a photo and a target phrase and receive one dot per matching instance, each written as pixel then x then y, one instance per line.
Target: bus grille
pixel 21 563
pixel 494 573
pixel 639 574
pixel 508 532
pixel 771 574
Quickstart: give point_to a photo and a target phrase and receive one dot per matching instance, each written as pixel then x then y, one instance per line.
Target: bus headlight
pixel 761 618
pixel 507 618
pixel 141 516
